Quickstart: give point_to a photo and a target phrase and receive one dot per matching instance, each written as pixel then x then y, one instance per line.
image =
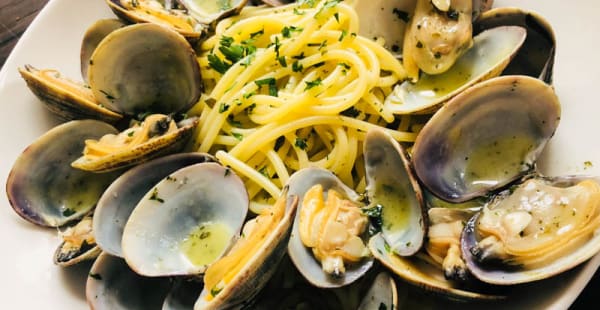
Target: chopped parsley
pixel 272 85
pixel 297 67
pixel 223 107
pixel 68 212
pixel 301 143
pixel 312 84
pixel 238 136
pixel 287 31
pixel 279 143
pixel 402 15
pixel 154 196
pixel 282 61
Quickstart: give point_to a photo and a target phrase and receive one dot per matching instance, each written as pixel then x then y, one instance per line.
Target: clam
pixel 66 98
pixel 392 187
pixel 537 229
pixel 422 272
pixel 491 52
pixel 120 198
pixel 112 285
pixel 185 222
pixel 152 11
pixel 236 279
pixel 92 37
pixel 486 137
pixel 155 136
pixel 145 68
pixel 78 244
pixel 437 36
pixel 208 12
pixel 314 187
pixel 536 57
pixel 42 186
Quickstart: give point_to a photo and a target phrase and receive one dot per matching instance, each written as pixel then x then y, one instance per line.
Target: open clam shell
pixel 42 186
pixel 160 141
pixel 392 186
pixel 302 257
pixel 539 228
pixel 208 12
pixel 145 68
pixel 186 222
pixel 491 52
pixel 536 57
pixel 152 11
pixel 424 274
pixel 486 137
pixel 258 267
pixel 78 244
pixel 120 198
pixel 92 37
pixel 112 285
pixel 65 98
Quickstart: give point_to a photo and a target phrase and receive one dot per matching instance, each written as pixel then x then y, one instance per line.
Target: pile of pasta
pixel 292 87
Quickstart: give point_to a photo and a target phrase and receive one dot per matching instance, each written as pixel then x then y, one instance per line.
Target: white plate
pixel 29 280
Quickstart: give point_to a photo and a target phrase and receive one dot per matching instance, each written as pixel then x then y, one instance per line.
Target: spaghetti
pixel 292 87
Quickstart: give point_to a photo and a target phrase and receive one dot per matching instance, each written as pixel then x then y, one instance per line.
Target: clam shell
pixel 157 146
pixel 536 57
pixel 64 103
pixel 486 137
pixel 42 186
pixel 120 198
pixel 173 209
pixel 424 274
pixel 392 185
pixel 145 68
pixel 499 274
pixel 112 285
pixel 92 37
pixel 498 45
pixel 302 256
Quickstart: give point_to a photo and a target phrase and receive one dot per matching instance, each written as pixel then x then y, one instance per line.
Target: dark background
pixel 16 15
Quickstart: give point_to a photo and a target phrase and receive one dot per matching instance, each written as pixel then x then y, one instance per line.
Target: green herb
pixel 279 143
pixel 287 31
pixel 301 56
pixel 374 214
pixel 587 164
pixel 107 95
pixel 238 136
pixel 452 14
pixel 345 65
pixel 312 84
pixel 387 248
pixel 351 112
pixel 297 67
pixel 272 85
pixel 337 16
pixel 131 133
pixel 257 34
pixel 215 291
pixel 263 170
pixel 232 121
pixel 154 196
pixel 68 212
pixel 301 143
pixel 204 235
pixel 250 94
pixel 95 276
pixel 217 64
pixel 223 107
pixel 401 15
pixel 343 35
pixel 282 61
pixel 250 108
pixel 319 64
pixel 382 306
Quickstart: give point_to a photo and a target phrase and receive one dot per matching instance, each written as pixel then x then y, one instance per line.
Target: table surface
pixel 16 15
